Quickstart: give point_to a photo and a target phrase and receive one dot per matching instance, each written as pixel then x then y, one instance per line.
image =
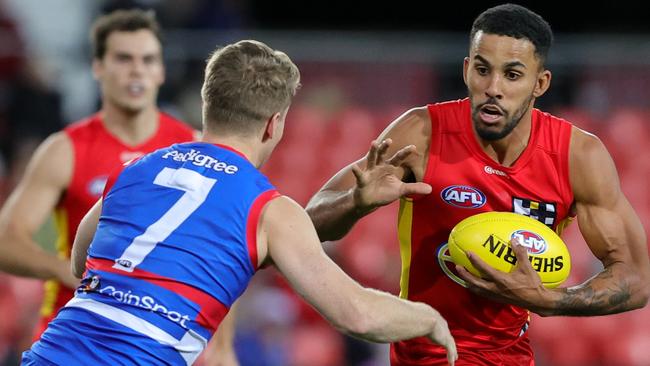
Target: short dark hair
pixel 518 22
pixel 245 84
pixel 121 21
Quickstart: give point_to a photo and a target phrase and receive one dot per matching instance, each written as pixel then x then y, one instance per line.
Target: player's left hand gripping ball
pixel 488 236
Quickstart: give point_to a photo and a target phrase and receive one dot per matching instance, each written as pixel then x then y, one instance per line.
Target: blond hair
pixel 245 84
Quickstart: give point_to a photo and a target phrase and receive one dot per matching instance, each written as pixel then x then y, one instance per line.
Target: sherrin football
pixel 488 235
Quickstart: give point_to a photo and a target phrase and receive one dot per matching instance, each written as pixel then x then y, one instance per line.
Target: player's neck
pixel 130 128
pixel 507 150
pixel 241 144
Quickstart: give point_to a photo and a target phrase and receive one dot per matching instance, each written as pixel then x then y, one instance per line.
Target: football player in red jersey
pixel 67 173
pixel 506 156
pixel 219 242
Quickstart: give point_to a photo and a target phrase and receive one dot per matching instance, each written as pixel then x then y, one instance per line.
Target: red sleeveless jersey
pixel 466 181
pixel 96 153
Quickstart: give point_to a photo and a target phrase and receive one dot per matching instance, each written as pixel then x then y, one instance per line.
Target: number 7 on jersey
pixel 196 188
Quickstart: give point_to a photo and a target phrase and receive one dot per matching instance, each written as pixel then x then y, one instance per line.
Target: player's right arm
pixel 374 181
pixel 286 237
pixel 83 239
pixel 30 204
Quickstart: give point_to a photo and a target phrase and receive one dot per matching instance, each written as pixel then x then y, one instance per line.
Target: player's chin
pixel 490 132
pixel 135 106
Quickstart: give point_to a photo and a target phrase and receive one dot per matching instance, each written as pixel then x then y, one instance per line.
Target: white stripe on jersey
pixel 196 188
pixel 189 347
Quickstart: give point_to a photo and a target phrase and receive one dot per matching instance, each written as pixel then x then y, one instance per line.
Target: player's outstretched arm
pixel 85 235
pixel 30 204
pixel 613 232
pixel 287 237
pixel 375 180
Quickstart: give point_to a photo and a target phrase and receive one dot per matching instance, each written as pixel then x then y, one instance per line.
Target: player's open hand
pixel 379 183
pixel 521 287
pixel 442 336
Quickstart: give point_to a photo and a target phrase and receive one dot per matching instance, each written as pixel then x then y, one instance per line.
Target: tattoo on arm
pixel 593 299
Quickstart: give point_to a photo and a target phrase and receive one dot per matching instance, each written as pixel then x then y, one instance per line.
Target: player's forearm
pixel 27 259
pixel 221 349
pixel 385 318
pixel 616 289
pixel 334 213
pixel 225 335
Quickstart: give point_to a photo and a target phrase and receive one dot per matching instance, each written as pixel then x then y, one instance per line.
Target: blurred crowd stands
pixel 343 106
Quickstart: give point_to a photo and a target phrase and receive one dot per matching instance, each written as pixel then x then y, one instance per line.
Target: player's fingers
pixel 381 150
pixel 452 353
pixel 521 253
pixel 450 346
pixel 477 285
pixel 486 270
pixel 520 250
pixel 415 188
pixel 398 158
pixel 358 174
pixel 372 154
pixel 471 280
pixel 442 336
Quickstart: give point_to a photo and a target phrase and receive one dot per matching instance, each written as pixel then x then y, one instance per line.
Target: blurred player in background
pixel 68 171
pixel 180 232
pixel 493 152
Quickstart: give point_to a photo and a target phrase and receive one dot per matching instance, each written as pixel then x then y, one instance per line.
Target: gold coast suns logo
pixel 447 264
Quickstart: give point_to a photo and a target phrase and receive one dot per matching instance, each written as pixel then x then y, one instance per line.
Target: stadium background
pixel 362 65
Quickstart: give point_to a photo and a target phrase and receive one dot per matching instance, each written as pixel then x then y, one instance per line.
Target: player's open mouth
pixel 135 89
pixel 490 113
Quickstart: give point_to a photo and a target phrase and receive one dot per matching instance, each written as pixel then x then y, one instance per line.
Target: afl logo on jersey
pixel 124 263
pixel 534 243
pixel 96 185
pixel 463 196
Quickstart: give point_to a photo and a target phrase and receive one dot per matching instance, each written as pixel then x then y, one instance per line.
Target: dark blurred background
pixel 362 65
pixel 595 16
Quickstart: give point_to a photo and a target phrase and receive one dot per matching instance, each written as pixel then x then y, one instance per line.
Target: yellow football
pixel 488 236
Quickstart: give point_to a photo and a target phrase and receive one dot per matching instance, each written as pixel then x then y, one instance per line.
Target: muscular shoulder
pixel 582 139
pixel 592 170
pixel 411 128
pixel 53 160
pixel 282 212
pixel 282 221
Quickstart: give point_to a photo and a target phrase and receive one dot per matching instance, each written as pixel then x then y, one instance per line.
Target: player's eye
pixel 511 75
pixel 482 70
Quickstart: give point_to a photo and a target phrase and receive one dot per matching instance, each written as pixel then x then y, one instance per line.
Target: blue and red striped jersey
pixel 174 248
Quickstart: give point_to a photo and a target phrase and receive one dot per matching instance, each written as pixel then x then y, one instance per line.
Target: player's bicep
pixel 296 251
pixel 85 235
pixel 46 177
pixel 607 221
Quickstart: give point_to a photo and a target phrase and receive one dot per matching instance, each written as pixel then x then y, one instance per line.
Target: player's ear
pixel 97 68
pixel 163 73
pixel 543 83
pixel 465 67
pixel 272 126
